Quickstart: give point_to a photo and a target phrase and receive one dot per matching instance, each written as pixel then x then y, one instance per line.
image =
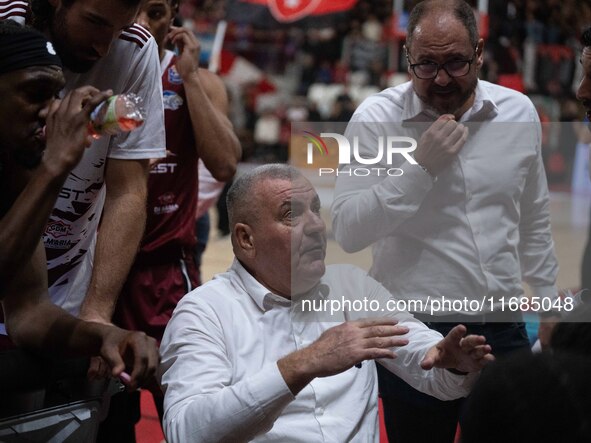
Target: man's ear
pixel 480 53
pixel 244 239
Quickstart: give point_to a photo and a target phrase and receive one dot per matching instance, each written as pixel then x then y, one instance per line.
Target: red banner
pixel 286 11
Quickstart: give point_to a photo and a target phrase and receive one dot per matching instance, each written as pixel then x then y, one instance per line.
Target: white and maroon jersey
pixel 17 10
pixel 132 65
pixel 172 185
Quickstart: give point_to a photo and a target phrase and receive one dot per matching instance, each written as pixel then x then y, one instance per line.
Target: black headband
pixel 24 49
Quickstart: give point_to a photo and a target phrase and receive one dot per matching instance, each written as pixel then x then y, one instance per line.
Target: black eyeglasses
pixel 429 70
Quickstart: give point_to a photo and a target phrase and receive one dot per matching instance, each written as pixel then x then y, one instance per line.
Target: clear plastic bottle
pixel 119 113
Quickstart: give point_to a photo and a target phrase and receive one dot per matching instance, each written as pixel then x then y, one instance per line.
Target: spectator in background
pixel 342 109
pixel 197 126
pixel 41 140
pixel 267 131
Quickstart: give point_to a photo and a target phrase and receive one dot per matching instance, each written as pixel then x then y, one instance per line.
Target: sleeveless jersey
pixel 173 181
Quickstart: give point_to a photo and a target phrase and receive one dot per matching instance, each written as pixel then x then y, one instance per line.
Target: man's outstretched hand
pixel 340 348
pixel 460 352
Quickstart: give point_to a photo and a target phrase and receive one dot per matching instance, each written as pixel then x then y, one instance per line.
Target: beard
pixel 28 158
pixel 457 98
pixel 26 154
pixel 61 37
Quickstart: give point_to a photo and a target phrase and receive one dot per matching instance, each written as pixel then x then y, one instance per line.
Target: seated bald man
pixel 243 360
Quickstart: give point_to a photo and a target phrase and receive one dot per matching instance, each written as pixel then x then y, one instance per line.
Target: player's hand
pixel 440 144
pixel 131 352
pixel 66 128
pixel 189 49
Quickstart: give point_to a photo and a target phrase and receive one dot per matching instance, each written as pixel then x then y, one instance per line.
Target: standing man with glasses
pixel 467 219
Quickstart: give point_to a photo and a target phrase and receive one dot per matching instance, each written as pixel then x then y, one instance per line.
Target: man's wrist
pixel 192 79
pixel 426 170
pixel 296 371
pixel 94 316
pixel 53 174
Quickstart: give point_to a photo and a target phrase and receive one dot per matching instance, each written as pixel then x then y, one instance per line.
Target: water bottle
pixel 119 113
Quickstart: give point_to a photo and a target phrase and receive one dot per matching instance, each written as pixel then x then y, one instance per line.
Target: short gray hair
pixel 240 194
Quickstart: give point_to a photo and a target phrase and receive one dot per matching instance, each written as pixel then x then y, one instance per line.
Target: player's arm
pixel 120 232
pixel 34 322
pixel 207 101
pixel 23 224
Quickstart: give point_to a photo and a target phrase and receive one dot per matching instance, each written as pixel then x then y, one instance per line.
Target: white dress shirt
pixel 222 383
pixel 479 229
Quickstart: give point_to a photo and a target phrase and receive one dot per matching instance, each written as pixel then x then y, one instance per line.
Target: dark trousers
pixel 586 269
pixel 413 417
pixel 223 220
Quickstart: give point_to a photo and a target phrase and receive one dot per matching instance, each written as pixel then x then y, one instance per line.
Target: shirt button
pixel 319 411
pixel 468 195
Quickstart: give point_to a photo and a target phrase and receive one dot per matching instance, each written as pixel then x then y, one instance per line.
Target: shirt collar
pixel 262 297
pixel 415 110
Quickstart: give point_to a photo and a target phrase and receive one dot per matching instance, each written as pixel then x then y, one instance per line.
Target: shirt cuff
pixel 415 181
pixel 549 292
pixel 269 390
pixel 461 384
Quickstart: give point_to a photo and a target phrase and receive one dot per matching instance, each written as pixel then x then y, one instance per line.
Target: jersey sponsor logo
pixel 52 243
pixel 167 204
pixel 58 229
pixel 172 100
pixel 74 194
pixel 166 199
pixel 174 76
pixel 163 168
pixel 166 209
